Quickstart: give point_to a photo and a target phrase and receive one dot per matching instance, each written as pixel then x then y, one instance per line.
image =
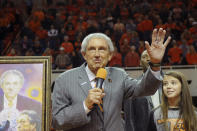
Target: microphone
pixel 100 77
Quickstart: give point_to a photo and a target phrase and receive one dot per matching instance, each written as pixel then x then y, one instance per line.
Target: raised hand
pixel 158 46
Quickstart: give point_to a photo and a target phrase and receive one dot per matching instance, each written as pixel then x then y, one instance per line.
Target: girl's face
pixel 171 87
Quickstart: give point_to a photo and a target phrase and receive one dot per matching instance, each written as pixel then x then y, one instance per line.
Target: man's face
pixel 11 86
pixel 23 123
pixel 97 54
pixel 145 58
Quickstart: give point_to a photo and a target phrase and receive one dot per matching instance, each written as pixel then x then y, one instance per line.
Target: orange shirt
pixel 116 60
pixel 193 30
pixel 39 15
pixel 34 25
pixel 175 54
pixel 145 25
pixel 140 27
pixel 191 58
pixel 132 59
pixel 42 34
pixel 68 47
pixel 124 36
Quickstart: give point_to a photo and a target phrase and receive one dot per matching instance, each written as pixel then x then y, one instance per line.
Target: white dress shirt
pixel 6 103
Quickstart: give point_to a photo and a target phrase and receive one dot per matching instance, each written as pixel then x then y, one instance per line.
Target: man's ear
pixel 110 56
pixel 140 62
pixel 84 55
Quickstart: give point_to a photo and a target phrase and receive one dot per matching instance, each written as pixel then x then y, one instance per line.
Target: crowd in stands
pixel 58 29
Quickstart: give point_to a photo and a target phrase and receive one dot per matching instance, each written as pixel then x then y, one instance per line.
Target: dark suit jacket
pixel 71 89
pixel 137 112
pixel 23 103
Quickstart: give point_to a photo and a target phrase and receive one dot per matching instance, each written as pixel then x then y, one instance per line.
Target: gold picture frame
pixel 33 91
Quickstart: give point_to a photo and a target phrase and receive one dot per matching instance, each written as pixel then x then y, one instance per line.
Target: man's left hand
pixel 157 48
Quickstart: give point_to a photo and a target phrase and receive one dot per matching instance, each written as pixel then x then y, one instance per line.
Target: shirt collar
pixel 6 102
pixel 91 75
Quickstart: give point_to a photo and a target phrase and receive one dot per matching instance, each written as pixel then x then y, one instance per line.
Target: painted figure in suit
pixel 23 103
pixel 137 111
pixel 74 96
pixel 12 103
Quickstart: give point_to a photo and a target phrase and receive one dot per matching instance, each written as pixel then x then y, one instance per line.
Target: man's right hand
pixel 95 96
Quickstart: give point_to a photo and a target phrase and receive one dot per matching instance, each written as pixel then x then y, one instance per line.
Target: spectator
pixel 26 31
pixel 61 35
pixel 52 32
pixel 34 24
pixel 25 44
pixel 124 49
pixel 29 52
pixel 37 48
pixel 62 60
pixel 41 33
pixel 50 52
pixel 132 58
pixel 116 60
pixel 185 48
pixel 12 52
pixel 52 35
pixel 67 45
pixel 191 56
pixel 175 54
pixel 127 35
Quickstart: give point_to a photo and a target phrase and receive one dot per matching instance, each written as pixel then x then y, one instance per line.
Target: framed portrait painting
pixel 25 102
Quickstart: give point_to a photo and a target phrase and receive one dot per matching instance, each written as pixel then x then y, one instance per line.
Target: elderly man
pixel 74 96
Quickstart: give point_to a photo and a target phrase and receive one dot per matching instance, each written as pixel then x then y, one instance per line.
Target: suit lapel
pixel 84 82
pixel 18 104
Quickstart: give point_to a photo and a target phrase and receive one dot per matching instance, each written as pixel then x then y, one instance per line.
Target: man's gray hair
pixel 14 72
pixel 34 118
pixel 96 35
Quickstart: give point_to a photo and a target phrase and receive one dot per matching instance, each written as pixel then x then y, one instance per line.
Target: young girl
pixel 176 112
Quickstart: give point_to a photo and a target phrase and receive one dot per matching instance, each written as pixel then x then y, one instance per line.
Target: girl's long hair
pixel 187 110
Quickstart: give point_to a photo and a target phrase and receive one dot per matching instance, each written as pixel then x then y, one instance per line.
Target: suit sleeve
pixel 145 86
pixel 66 115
